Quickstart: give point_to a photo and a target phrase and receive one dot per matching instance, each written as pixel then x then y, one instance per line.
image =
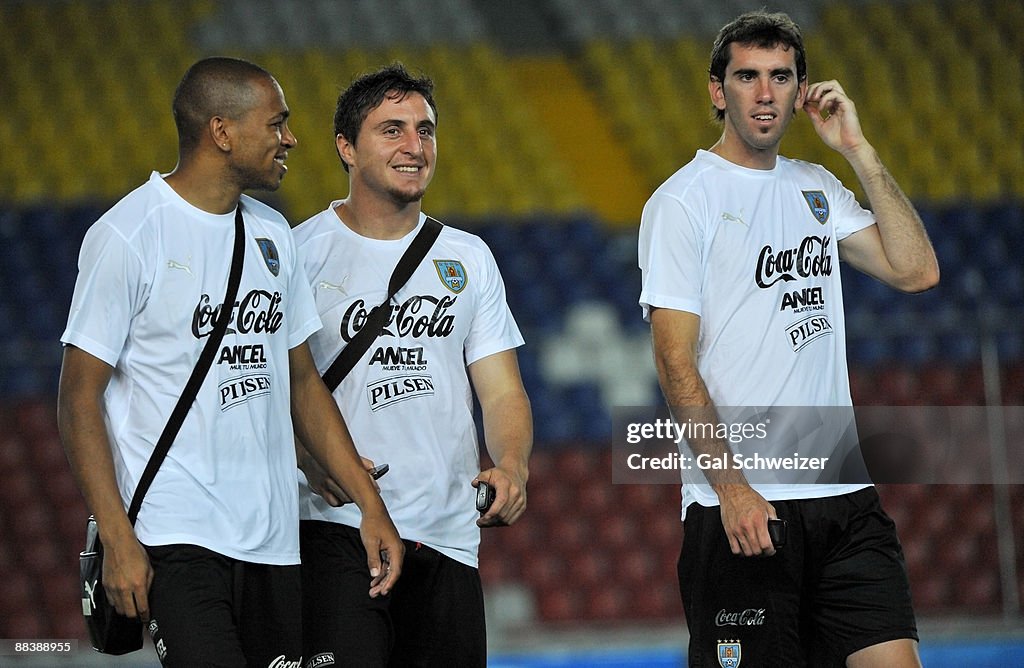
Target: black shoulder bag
pixel 109 631
pixel 378 317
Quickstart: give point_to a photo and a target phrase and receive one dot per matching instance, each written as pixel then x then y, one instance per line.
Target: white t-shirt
pixel 754 253
pixel 152 273
pixel 408 402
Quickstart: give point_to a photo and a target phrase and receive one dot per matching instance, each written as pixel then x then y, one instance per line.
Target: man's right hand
pixel 745 515
pixel 127 576
pixel 384 551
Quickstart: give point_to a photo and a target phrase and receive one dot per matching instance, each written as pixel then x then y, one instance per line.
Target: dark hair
pixel 216 86
pixel 761 29
pixel 368 91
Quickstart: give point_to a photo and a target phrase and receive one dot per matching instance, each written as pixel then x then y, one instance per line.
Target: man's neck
pixel 210 192
pixel 378 222
pixel 744 155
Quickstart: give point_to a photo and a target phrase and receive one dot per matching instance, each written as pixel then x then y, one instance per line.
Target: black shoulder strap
pixel 379 316
pixel 195 381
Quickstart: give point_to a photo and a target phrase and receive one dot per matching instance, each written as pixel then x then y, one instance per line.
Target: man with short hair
pixel 724 244
pixel 212 562
pixel 409 398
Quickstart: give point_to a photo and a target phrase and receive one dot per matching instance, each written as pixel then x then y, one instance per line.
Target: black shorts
pixel 837 586
pixel 210 610
pixel 433 617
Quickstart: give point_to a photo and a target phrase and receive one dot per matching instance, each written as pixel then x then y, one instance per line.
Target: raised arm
pixel 127 573
pixel 508 433
pixel 745 513
pixel 320 428
pixel 896 250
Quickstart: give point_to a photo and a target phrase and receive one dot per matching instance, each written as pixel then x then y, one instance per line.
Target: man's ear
pixel 220 133
pixel 801 95
pixel 717 92
pixel 346 149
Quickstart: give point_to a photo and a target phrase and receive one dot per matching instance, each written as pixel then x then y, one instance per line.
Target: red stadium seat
pixel 616 530
pixel 47 455
pixel 931 595
pixel 596 496
pixel 972 386
pixel 899 386
pixel 940 385
pixel 662 529
pixel 19 593
pixel 12 453
pixel 592 569
pixel 575 465
pixel 61 597
pixel 36 417
pixel 609 602
pixel 656 600
pixel 546 570
pixel 863 386
pixel 30 622
pixel 1013 385
pixel 637 565
pixel 42 557
pixel 560 605
pixel 570 534
pixel 494 569
pixel 18 491
pixel 978 592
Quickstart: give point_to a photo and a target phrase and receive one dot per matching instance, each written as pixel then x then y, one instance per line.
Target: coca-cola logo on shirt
pixel 420 315
pixel 256 313
pixel 810 258
pixel 748 617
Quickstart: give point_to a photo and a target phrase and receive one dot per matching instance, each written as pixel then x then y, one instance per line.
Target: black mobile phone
pixel 484 496
pixel 777 530
pixel 379 470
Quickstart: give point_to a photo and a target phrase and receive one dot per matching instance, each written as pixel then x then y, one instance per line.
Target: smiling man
pixel 409 399
pixel 740 255
pixel 212 561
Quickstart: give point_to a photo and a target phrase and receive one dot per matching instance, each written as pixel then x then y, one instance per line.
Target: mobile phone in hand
pixel 777 530
pixel 484 496
pixel 377 471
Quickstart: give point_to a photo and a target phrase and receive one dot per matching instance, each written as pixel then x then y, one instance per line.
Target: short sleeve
pixel 848 215
pixel 671 257
pixel 109 292
pixel 493 329
pixel 301 312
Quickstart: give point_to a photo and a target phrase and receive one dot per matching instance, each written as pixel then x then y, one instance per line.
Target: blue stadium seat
pixel 593 420
pixel 916 349
pixel 959 348
pixel 868 351
pixel 1010 346
pixel 949 252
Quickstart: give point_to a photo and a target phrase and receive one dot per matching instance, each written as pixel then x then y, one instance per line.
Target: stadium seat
pixel 547 570
pixel 592 568
pixel 608 602
pixel 19 593
pixel 558 604
pixel 616 530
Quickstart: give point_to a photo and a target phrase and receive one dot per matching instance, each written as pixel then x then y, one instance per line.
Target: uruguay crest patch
pixel 452 274
pixel 819 205
pixel 270 256
pixel 729 654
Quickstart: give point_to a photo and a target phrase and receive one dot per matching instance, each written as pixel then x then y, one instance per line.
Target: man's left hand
pixel 509 498
pixel 840 130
